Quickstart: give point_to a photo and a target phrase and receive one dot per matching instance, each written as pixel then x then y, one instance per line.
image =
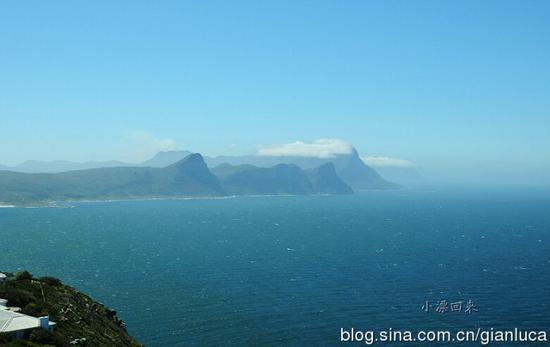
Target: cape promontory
pixel 74 318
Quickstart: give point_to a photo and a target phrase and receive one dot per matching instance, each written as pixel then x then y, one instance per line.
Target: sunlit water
pixel 294 270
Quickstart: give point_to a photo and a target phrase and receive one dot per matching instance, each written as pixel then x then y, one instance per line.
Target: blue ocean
pixel 294 270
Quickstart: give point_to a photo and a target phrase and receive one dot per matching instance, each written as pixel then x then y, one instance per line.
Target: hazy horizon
pixel 379 163
pixel 114 81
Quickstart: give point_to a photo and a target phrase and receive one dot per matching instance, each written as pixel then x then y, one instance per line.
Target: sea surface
pixel 293 270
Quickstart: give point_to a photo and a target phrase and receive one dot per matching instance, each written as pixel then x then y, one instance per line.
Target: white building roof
pixel 3 276
pixel 12 321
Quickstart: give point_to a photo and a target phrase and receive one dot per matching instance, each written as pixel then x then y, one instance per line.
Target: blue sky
pixel 453 86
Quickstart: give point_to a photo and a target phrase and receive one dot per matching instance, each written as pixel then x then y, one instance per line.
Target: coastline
pixel 71 203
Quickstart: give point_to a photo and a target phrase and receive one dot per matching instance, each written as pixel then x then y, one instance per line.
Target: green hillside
pixel 79 319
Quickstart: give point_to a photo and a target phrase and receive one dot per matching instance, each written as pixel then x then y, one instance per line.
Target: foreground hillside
pixel 80 320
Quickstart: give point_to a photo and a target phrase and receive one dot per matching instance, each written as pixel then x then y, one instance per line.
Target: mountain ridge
pixel 350 167
pixel 326 181
pixel 188 177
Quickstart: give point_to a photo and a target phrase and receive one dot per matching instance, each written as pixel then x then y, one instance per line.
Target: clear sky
pixel 457 87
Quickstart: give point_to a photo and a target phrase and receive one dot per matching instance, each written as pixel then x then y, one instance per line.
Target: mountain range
pixel 188 177
pixel 185 174
pixel 349 166
pixel 280 179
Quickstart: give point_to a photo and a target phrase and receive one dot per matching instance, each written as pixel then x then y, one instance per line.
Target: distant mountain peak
pixel 192 157
pixel 191 160
pixel 359 175
pixel 192 168
pixel 325 180
pixel 166 158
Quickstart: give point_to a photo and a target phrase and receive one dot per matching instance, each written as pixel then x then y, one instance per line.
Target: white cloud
pixel 387 162
pixel 148 145
pixel 321 148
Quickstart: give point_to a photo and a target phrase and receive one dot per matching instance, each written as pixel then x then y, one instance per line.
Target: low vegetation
pixel 80 320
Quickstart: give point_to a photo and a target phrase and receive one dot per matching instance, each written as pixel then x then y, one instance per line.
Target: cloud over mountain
pixel 321 148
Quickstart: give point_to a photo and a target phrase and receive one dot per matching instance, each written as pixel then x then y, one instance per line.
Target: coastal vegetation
pixel 80 321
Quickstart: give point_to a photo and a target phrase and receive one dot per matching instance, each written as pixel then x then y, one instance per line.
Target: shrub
pixel 34 309
pixel 52 281
pixel 23 275
pixel 5 338
pixel 42 337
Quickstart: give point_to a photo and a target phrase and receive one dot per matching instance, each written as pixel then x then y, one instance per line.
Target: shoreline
pixel 72 203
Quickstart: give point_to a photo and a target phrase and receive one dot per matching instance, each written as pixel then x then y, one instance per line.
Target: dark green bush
pixel 42 336
pixel 5 338
pixel 52 281
pixel 34 310
pixel 23 275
